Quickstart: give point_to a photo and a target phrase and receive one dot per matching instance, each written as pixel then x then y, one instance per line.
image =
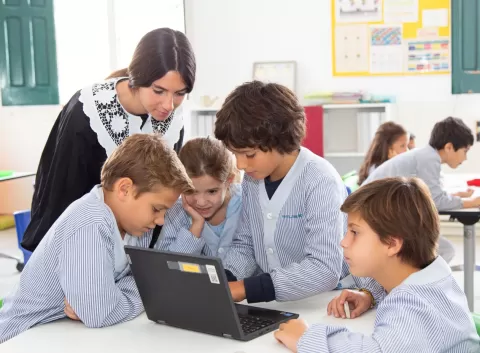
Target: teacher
pixel 144 98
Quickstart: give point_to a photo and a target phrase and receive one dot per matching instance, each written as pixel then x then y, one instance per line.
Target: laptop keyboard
pixel 251 323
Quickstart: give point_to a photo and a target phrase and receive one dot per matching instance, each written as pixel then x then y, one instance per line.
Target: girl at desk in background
pixel 390 139
pixel 205 222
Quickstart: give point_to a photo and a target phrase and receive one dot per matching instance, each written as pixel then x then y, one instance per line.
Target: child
pixel 389 141
pixel 393 230
pixel 205 221
pixel 80 269
pixel 287 244
pixel 449 143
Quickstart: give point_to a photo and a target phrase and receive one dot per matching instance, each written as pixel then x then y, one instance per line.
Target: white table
pixel 17 175
pixel 142 335
pixel 468 217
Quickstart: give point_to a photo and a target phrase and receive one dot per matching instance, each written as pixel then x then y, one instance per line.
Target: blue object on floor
pixel 349 191
pixel 22 219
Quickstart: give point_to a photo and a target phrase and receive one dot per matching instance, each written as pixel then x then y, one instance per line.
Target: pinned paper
pixel 435 18
pixel 431 32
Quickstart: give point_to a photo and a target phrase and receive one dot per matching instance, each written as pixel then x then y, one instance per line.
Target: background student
pixel 389 141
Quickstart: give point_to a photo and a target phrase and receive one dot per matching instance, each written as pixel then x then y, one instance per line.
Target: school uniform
pixel 424 163
pixel 290 232
pixel 80 259
pixel 214 240
pixel 427 313
pixel 88 129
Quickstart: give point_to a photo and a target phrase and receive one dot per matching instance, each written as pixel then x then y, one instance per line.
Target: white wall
pixel 250 30
pixel 84 43
pixel 228 36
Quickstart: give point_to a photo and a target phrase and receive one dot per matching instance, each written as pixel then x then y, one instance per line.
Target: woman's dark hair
pixel 158 52
pixel 377 154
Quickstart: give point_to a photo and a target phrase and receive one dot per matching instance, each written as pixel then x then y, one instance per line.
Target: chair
pixel 476 321
pixel 22 219
pixel 351 180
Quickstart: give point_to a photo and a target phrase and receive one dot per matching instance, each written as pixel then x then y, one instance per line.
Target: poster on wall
pixel 390 37
pixel 352 48
pixel 428 55
pixel 358 10
pixel 400 11
pixel 386 50
pixel 282 72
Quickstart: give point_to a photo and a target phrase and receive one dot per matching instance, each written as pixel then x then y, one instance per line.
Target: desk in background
pixel 16 175
pixel 142 335
pixel 469 217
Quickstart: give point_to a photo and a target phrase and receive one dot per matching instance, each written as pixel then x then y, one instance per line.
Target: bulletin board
pixel 390 37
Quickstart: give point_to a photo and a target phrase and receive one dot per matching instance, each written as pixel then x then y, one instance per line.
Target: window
pixel 465 46
pixel 28 67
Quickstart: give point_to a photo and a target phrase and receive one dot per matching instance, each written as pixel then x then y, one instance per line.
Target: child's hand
pixel 237 289
pixel 69 311
pixel 197 220
pixel 358 302
pixel 465 194
pixel 290 333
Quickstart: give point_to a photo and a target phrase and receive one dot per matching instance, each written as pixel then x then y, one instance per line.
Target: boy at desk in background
pixel 287 243
pixel 80 268
pixel 393 229
pixel 449 143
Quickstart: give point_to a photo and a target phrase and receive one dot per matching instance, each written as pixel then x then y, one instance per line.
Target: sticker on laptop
pixel 212 273
pixel 188 267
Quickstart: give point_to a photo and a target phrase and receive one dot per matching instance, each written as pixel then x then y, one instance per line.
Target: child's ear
pixel 448 147
pixel 124 188
pixel 394 246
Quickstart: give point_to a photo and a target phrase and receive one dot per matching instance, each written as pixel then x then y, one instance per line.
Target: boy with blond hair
pixel 80 269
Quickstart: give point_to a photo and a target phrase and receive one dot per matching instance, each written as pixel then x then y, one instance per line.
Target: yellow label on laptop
pixel 190 267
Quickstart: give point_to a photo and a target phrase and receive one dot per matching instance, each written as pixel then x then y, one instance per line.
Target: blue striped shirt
pixel 294 236
pixel 424 163
pixel 427 313
pixel 77 261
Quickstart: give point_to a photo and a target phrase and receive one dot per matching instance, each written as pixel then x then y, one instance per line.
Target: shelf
pixel 344 154
pixel 200 109
pixel 356 106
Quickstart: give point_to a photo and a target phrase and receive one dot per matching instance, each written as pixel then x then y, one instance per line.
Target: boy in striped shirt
pixel 80 269
pixel 393 231
pixel 287 245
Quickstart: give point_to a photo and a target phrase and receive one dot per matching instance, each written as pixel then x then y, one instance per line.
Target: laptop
pixel 191 292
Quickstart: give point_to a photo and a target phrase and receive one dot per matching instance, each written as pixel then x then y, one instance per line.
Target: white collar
pixel 434 272
pixel 112 123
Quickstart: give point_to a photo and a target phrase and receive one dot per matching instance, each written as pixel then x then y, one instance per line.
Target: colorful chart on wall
pixel 390 37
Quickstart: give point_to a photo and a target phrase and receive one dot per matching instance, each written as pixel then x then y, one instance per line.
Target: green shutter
pixel 465 46
pixel 28 64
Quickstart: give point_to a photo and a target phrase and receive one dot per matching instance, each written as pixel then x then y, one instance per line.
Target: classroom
pixel 240 176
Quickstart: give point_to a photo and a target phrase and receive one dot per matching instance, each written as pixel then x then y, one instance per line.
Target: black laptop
pixel 191 292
